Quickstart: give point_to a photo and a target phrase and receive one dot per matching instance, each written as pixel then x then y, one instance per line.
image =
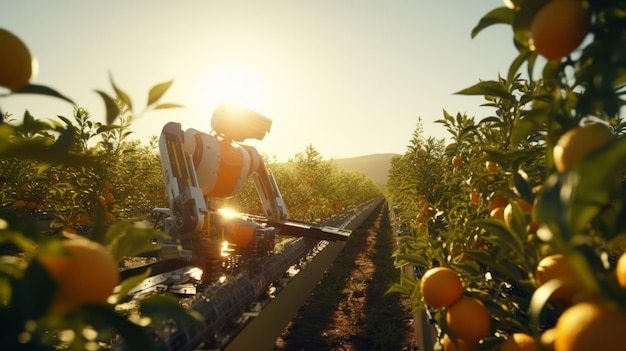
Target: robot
pixel 201 170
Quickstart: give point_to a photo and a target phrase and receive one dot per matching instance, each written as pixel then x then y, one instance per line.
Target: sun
pixel 233 84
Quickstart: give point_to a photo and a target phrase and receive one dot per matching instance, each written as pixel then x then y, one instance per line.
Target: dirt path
pixel 348 309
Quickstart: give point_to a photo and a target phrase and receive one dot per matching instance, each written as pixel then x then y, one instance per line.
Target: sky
pixel 350 78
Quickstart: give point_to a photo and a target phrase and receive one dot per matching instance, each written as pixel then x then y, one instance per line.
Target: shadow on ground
pixel 348 309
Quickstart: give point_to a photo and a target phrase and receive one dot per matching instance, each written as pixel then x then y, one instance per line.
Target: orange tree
pixel 578 209
pixel 313 188
pixel 54 286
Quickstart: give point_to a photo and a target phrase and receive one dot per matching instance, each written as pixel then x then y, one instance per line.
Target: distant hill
pixel 374 166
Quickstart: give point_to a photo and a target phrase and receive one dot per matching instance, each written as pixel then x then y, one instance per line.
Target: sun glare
pixel 232 84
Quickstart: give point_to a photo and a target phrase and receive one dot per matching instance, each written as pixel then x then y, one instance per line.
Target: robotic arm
pixel 200 169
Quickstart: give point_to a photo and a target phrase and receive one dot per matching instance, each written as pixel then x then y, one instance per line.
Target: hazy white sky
pixel 349 77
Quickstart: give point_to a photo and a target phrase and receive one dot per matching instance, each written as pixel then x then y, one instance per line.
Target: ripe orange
pixel 469 319
pixel 519 342
pixel 421 152
pixel 31 205
pixel 556 266
pixel 577 143
pixel 457 161
pixel 20 204
pixel 109 198
pixel 436 186
pixel 17 66
pixel 441 287
pixel 620 270
pixel 547 338
pixel 492 167
pixel 590 326
pixel 84 219
pixel 109 217
pixel 497 201
pixel 559 27
pixel 86 275
pixel 463 345
pixel 420 217
pixel 474 197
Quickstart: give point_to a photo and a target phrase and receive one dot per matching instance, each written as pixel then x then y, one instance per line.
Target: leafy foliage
pixel 577 211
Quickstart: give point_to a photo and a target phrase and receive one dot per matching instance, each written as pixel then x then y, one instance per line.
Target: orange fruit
pixel 84 219
pixel 519 342
pixel 448 345
pixel 102 200
pixel 546 339
pixel 497 201
pixel 30 205
pixel 86 275
pixel 17 65
pixel 109 198
pixel 556 266
pixel 492 167
pixel 441 287
pixel 620 270
pixel 469 319
pixel 578 142
pixel 474 197
pixel 109 217
pixel 436 186
pixel 20 204
pixel 420 217
pixel 457 161
pixel 421 152
pixel 558 28
pixel 590 326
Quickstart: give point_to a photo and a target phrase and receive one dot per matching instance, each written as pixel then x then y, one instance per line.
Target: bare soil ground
pixel 348 310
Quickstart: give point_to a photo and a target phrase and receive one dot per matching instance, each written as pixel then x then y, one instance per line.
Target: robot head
pixel 239 123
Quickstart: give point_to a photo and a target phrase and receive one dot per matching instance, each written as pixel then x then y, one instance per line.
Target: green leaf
pixel 125 98
pixel 157 92
pixel 131 282
pixel 414 259
pixel 486 259
pixel 500 15
pixel 112 110
pixel 129 239
pixel 523 56
pixel 65 140
pixel 499 234
pixel 31 125
pixel 533 122
pixel 42 90
pixel 540 299
pixel 523 186
pixel 399 289
pixel 591 184
pixel 488 88
pixel 167 105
